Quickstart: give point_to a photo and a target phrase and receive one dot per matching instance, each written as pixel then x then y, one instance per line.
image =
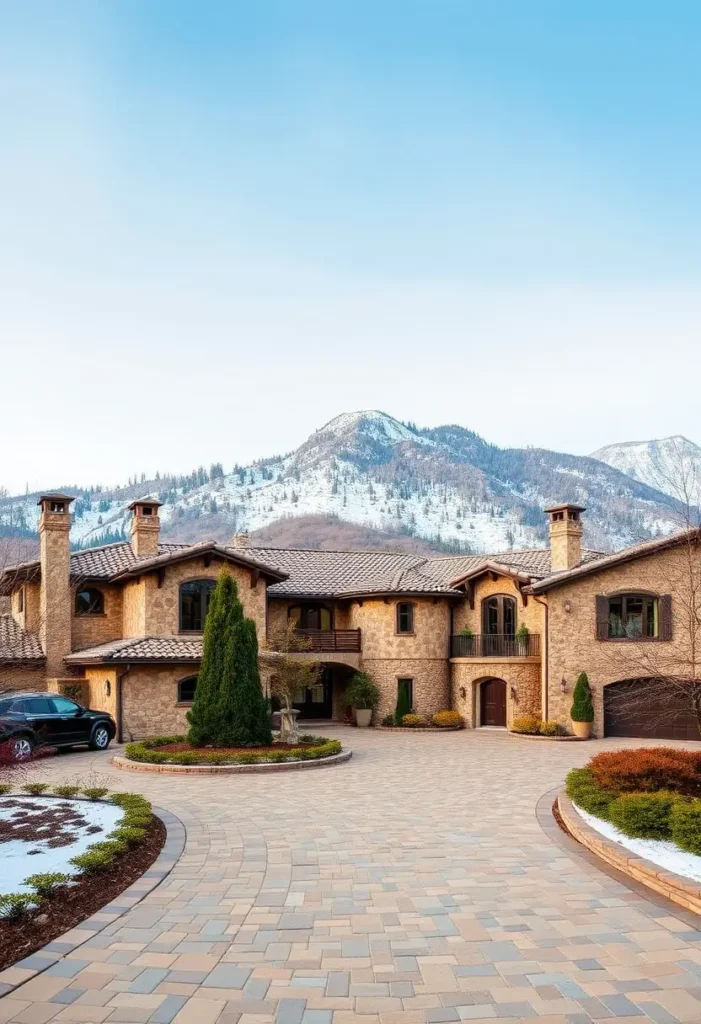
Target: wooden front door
pixel 493 702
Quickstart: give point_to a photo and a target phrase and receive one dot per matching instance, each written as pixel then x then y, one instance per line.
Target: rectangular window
pixel 20 600
pixel 405 617
pixel 632 616
pixel 405 693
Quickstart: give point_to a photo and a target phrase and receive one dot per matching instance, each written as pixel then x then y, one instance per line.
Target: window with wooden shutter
pixel 665 605
pixel 602 617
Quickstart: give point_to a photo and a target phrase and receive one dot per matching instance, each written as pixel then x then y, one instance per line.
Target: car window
pixel 5 706
pixel 64 706
pixel 39 706
pixel 18 707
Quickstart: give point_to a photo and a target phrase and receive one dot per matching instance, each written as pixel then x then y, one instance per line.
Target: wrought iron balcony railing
pixel 495 645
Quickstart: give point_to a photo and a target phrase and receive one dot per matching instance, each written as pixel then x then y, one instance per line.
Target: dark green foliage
pixel 66 791
pixel 14 904
pixel 362 693
pixel 95 792
pixel 685 825
pixel 243 718
pixel 92 861
pixel 582 789
pixel 225 612
pixel 582 706
pixel 642 815
pixel 147 751
pixel 36 788
pixel 403 703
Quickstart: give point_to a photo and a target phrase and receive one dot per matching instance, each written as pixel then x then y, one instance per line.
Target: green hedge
pixel 146 751
pixel 660 815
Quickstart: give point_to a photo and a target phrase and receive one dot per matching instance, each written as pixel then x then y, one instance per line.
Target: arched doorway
pixel 648 708
pixel 493 703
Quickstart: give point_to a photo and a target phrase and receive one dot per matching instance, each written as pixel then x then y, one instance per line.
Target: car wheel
pixel 100 739
pixel 21 748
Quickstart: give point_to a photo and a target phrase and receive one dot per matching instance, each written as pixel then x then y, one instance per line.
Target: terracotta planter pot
pixel 363 717
pixel 582 730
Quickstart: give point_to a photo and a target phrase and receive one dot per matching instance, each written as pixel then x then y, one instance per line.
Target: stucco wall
pixel 574 647
pixel 431 683
pixel 91 630
pixel 530 615
pixel 22 677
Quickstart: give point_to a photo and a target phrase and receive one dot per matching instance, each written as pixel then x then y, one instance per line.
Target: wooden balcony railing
pixel 323 641
pixel 495 645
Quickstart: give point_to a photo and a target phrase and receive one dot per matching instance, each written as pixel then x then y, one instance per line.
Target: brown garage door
pixel 634 708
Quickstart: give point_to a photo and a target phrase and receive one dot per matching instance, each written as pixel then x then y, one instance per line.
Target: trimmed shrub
pixel 529 724
pixel 112 847
pixel 448 720
pixel 66 791
pixel 5 788
pixel 685 825
pixel 414 721
pixel 92 861
pixel 130 834
pixel 388 721
pixel 649 769
pixel 95 792
pixel 582 704
pixel 36 788
pixel 550 728
pixel 14 904
pixel 583 791
pixel 642 815
pixel 403 706
pixel 46 882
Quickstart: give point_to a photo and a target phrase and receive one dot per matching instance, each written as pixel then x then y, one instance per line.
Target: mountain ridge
pixel 445 486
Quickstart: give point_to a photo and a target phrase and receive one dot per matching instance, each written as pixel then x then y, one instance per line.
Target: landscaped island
pixel 178 751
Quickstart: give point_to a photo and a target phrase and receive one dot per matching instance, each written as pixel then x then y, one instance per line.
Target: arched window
pixel 186 690
pixel 89 602
pixel 194 604
pixel 499 615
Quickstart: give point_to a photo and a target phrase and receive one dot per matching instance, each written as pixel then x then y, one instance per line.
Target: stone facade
pixel 91 630
pixel 22 677
pixel 572 639
pixel 55 604
pixel 523 686
pixel 150 701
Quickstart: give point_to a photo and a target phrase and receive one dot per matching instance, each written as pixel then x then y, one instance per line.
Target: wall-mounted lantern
pixel 563 685
pixel 108 687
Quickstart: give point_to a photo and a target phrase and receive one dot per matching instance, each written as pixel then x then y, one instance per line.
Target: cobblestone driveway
pixel 414 883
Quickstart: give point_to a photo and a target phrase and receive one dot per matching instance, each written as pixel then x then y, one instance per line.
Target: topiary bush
pixel 649 769
pixel 582 704
pixel 36 788
pixel 529 724
pixel 66 791
pixel 448 720
pixel 642 815
pixel 95 792
pixel 414 721
pixel 92 861
pixel 5 788
pixel 403 701
pixel 47 882
pixel 685 824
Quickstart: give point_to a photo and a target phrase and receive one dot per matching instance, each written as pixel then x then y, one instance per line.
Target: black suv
pixel 29 720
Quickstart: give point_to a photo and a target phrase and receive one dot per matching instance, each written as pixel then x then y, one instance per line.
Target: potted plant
pixel 582 713
pixel 522 635
pixel 363 696
pixel 469 637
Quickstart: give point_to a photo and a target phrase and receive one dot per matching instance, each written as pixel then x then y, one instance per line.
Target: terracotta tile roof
pixel 604 561
pixel 111 561
pixel 17 644
pixel 142 648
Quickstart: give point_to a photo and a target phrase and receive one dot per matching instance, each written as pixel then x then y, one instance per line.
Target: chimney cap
pixel 144 501
pixel 561 508
pixel 55 496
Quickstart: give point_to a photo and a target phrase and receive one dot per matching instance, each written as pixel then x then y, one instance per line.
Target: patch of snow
pixel 662 852
pixel 15 862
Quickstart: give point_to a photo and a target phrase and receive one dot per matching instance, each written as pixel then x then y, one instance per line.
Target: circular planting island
pixel 65 853
pixel 175 754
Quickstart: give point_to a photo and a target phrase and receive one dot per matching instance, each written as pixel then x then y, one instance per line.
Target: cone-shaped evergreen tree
pixel 225 613
pixel 243 712
pixel 403 703
pixel 582 706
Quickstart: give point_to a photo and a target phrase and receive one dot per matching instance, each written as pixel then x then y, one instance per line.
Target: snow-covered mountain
pixel 445 484
pixel 667 464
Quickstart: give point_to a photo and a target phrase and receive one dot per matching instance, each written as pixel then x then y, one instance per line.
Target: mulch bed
pixel 72 904
pixel 180 748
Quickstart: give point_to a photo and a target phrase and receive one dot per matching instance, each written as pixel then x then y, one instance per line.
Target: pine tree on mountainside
pixel 243 715
pixel 225 613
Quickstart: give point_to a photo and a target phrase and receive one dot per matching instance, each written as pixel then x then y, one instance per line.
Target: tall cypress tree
pixel 225 613
pixel 243 712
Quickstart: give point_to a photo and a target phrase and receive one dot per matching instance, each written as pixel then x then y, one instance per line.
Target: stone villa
pixel 493 636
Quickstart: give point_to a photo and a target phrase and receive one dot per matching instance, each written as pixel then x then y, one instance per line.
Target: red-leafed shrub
pixel 648 770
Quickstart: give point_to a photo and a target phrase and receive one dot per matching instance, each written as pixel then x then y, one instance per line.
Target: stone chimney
pixel 565 536
pixel 240 540
pixel 55 597
pixel 145 526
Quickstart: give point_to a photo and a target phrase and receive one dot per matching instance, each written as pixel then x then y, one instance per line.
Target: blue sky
pixel 281 211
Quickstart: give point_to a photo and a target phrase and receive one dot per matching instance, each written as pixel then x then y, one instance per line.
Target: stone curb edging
pixel 42 959
pixel 125 765
pixel 547 739
pixel 419 728
pixel 675 887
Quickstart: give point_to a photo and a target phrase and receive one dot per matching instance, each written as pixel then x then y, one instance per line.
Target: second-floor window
pixel 194 604
pixel 20 600
pixel 499 615
pixel 405 617
pixel 89 602
pixel 634 617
